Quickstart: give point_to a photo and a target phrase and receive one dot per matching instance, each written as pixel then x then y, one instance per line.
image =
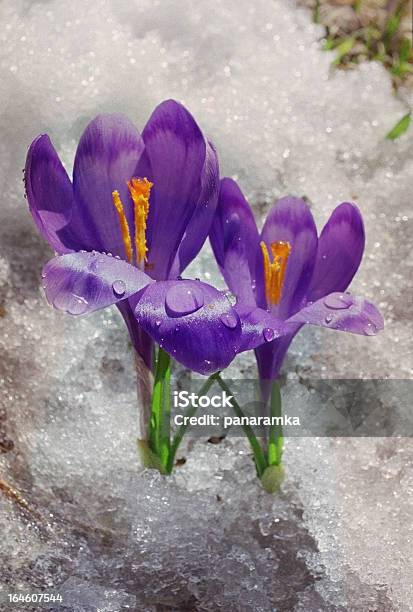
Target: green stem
pixel 182 429
pixel 159 425
pixel 275 438
pixel 260 460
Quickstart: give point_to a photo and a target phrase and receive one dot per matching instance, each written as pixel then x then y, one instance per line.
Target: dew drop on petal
pixel 76 305
pixel 181 300
pixel 229 320
pixel 158 322
pixel 61 301
pixel 230 297
pixel 338 302
pixel 328 319
pixel 370 329
pixel 269 334
pixel 118 288
pixel 95 264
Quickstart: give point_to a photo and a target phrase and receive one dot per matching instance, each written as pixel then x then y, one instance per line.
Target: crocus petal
pixel 79 283
pixel 339 252
pixel 50 194
pixel 192 321
pixel 141 341
pixel 106 159
pixel 290 220
pixel 343 312
pixel 270 357
pixel 200 223
pixel 235 241
pixel 173 160
pixel 258 327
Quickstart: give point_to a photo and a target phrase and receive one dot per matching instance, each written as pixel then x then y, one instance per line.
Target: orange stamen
pixel 140 190
pixel 274 272
pixel 124 227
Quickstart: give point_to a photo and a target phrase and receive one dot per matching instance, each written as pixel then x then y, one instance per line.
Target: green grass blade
pixel 400 128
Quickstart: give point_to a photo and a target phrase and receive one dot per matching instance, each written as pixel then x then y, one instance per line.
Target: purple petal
pixel 200 223
pixel 339 252
pixel 343 312
pixel 258 327
pixel 235 241
pixel 141 341
pixel 192 321
pixel 106 159
pixel 50 194
pixel 270 357
pixel 290 220
pixel 79 283
pixel 173 160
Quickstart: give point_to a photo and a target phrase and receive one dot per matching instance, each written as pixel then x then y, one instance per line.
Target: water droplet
pixel 71 303
pixel 158 322
pixel 269 334
pixel 328 319
pixel 337 301
pixel 370 329
pixel 95 265
pixel 60 301
pixel 229 320
pixel 119 288
pixel 230 297
pixel 181 301
pixel 76 305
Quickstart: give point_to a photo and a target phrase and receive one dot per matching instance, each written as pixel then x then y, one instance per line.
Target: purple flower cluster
pixel 137 212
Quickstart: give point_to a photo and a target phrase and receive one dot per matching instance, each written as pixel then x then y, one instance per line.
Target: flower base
pixel 148 458
pixel 272 478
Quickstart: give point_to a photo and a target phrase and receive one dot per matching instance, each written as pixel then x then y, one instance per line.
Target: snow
pixel 103 533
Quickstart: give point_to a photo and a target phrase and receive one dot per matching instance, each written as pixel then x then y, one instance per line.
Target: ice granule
pixel 113 537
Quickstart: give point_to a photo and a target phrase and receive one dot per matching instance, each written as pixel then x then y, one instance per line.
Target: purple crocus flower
pixel 148 199
pixel 287 276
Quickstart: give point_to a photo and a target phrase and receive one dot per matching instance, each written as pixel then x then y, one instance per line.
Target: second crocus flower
pixel 290 272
